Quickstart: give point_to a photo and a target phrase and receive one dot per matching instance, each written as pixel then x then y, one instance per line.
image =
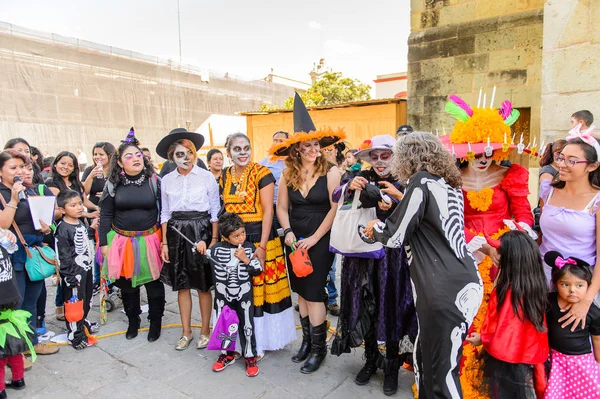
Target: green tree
pixel 332 88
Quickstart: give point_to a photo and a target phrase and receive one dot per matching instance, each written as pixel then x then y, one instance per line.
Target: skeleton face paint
pixel 240 151
pixel 481 163
pixel 382 162
pixel 183 157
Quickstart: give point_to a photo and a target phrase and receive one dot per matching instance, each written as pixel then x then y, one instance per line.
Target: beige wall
pixel 359 123
pixel 457 47
pixel 571 76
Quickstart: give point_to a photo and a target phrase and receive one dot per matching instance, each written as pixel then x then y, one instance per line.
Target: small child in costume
pixel 14 327
pixel 76 265
pixel 575 371
pixel 514 334
pixel 233 268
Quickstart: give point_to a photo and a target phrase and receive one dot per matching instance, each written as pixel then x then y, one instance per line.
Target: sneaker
pixel 94 328
pixel 334 309
pixel 82 345
pixel 41 329
pixel 222 362
pixel 251 367
pixel 96 289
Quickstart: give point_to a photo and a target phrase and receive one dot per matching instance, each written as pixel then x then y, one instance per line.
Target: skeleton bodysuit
pixel 233 287
pixel 447 287
pixel 76 262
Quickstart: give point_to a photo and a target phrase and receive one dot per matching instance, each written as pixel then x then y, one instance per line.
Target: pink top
pixel 568 231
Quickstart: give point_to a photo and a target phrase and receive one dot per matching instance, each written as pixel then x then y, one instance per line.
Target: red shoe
pixel 251 367
pixel 222 362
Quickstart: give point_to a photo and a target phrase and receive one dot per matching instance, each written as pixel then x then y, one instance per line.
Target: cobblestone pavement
pixel 117 368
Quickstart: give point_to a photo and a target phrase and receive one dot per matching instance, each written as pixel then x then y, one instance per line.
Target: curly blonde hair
pixel 293 172
pixel 421 151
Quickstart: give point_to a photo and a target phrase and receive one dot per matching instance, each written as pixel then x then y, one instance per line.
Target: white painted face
pixel 381 160
pixel 183 157
pixel 240 151
pixel 481 163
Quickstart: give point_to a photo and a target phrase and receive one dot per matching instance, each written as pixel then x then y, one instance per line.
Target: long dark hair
pixel 108 148
pixel 522 270
pixel 589 152
pixel 12 142
pixel 58 180
pixel 116 177
pixel 548 155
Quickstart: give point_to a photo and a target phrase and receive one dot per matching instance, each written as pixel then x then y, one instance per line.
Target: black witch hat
pixel 304 130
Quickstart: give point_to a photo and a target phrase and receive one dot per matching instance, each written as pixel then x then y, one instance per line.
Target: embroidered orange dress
pixel 273 316
pixel 485 212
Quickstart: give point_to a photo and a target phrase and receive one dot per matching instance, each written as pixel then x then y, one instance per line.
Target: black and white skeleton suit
pixel 233 287
pixel 447 288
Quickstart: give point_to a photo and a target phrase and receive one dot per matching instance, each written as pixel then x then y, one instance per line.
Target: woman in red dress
pixel 495 199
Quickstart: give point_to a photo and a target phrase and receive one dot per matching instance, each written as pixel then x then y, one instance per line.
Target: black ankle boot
pixel 131 305
pixel 370 367
pixel 156 307
pixel 390 379
pixel 305 346
pixel 16 384
pixel 318 349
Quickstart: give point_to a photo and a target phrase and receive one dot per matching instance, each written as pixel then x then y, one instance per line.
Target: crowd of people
pixel 454 277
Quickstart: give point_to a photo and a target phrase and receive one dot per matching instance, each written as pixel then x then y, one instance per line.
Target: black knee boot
pixel 156 308
pixel 305 346
pixel 318 350
pixel 371 356
pixel 390 369
pixel 131 304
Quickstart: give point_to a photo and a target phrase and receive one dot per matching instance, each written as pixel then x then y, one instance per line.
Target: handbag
pixel 344 239
pixel 301 263
pixel 225 331
pixel 41 259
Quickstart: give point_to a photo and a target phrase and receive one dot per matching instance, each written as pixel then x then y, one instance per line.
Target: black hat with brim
pixel 162 149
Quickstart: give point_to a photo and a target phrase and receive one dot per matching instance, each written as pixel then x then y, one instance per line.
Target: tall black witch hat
pixel 304 130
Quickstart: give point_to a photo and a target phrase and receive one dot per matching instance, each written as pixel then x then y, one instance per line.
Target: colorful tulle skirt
pixel 573 376
pixel 133 255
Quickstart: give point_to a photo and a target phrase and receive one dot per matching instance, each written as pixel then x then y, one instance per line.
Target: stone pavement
pixel 117 368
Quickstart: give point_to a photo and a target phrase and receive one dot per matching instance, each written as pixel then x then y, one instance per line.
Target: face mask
pixel 382 162
pixel 481 164
pixel 240 151
pixel 182 157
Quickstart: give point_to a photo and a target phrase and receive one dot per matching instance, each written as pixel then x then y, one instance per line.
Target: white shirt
pixel 198 191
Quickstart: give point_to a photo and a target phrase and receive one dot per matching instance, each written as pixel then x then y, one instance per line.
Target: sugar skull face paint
pixel 481 163
pixel 382 162
pixel 240 151
pixel 183 157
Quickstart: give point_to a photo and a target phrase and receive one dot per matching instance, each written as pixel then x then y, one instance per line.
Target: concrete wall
pixel 571 77
pixel 458 46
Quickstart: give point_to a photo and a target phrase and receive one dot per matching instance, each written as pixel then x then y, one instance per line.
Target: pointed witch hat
pixel 131 139
pixel 305 130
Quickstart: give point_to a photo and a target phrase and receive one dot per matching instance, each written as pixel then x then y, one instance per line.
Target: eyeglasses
pixel 558 158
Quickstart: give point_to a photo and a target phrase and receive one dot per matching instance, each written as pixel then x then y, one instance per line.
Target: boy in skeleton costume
pixel 233 266
pixel 76 264
pixel 447 287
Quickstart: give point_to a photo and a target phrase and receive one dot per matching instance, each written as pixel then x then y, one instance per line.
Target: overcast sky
pixel 360 38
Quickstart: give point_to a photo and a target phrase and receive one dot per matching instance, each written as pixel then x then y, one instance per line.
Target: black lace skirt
pixel 187 269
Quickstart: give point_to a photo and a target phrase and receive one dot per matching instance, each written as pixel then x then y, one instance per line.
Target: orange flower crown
pixel 300 137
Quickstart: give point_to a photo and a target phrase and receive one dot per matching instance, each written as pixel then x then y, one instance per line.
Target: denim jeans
pixel 30 292
pixel 331 290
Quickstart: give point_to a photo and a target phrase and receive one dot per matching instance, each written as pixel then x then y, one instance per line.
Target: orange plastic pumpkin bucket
pixel 301 264
pixel 74 310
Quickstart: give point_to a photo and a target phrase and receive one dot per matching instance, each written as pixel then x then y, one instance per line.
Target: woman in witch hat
pixel 190 204
pixel 130 235
pixel 248 190
pixel 495 199
pixel 305 211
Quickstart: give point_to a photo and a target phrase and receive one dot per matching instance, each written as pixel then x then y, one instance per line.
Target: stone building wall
pixel 458 46
pixel 571 76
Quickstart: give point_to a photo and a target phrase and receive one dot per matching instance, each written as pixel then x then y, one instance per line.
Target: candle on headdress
pixel 493 97
pixel 479 98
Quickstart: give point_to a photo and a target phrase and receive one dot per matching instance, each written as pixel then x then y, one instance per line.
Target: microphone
pixel 22 195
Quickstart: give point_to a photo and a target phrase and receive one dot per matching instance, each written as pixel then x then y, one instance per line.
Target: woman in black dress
pixel 305 211
pixel 429 223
